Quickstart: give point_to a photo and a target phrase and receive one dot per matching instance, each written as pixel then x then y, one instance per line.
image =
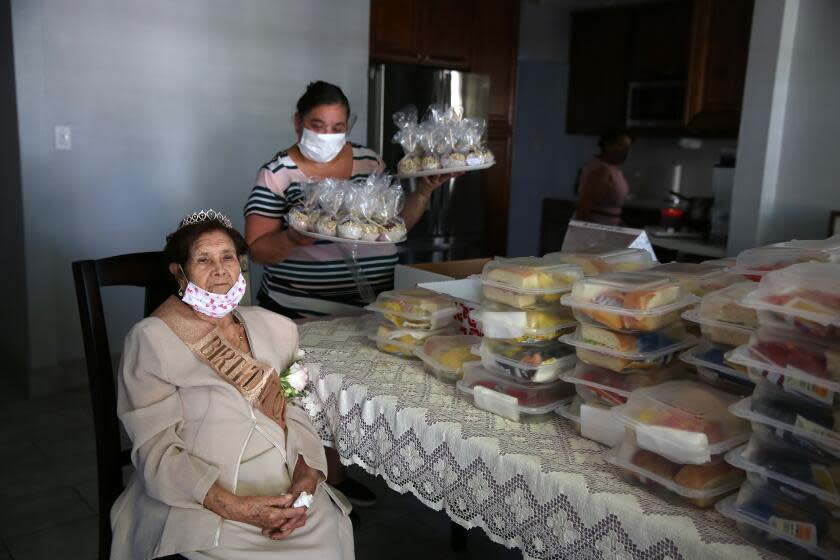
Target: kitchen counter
pixel 689 246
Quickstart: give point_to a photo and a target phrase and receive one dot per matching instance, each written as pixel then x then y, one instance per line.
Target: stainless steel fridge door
pixel 453 226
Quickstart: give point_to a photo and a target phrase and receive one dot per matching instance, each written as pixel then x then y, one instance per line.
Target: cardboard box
pixel 409 275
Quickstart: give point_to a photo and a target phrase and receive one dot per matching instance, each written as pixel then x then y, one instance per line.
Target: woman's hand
pixel 304 479
pixel 297 238
pixel 273 514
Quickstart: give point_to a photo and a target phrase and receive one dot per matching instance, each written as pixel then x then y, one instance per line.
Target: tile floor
pixel 48 503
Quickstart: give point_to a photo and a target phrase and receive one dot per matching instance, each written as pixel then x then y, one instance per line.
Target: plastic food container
pixel 538 363
pixel 781 522
pixel 444 356
pixel 624 352
pixel 597 385
pixel 782 412
pixel 528 282
pixel 402 342
pixel 593 421
pixel 697 278
pixel 755 263
pixel 803 296
pixel 630 301
pixel 415 308
pixel 792 361
pixel 510 398
pixel 719 332
pixel 830 246
pixel 598 262
pixel 684 421
pixel 708 358
pixel 698 485
pixel 772 460
pixel 725 306
pixel 518 325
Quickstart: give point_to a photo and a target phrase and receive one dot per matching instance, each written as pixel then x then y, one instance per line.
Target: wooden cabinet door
pixel 720 42
pixel 495 46
pixel 393 30
pixel 600 60
pixel 445 32
pixel 497 197
pixel 660 41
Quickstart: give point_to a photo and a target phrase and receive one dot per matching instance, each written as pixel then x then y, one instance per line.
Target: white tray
pixel 445 170
pixel 314 235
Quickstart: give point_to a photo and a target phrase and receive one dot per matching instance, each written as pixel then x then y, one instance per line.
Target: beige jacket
pixel 189 428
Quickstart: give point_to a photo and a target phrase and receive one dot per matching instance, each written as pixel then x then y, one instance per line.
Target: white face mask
pixel 214 305
pixel 321 147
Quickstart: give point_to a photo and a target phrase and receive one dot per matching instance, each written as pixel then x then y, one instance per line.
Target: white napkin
pixel 304 500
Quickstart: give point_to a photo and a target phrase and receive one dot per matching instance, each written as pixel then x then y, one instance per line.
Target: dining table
pixel 536 486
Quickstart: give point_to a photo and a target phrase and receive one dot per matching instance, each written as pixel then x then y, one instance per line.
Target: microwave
pixel 655 104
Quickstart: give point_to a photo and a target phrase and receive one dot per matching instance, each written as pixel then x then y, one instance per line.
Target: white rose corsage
pixel 295 378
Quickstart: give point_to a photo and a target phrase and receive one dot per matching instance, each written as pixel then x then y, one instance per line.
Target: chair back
pixel 145 270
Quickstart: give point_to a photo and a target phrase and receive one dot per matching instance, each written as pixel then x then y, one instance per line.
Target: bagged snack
pixel 408 136
pixel 330 200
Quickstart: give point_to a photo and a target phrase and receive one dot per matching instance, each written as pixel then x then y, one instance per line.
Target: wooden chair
pixel 145 270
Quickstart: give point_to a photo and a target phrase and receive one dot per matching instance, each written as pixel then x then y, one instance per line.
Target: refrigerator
pixel 453 226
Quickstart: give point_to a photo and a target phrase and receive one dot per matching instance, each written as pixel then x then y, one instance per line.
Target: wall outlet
pixel 63 138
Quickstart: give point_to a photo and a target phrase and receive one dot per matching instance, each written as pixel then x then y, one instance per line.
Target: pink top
pixel 607 197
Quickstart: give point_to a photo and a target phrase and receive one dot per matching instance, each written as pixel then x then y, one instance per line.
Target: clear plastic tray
pixel 696 278
pixel 774 519
pixel 444 356
pixel 805 296
pixel 785 412
pixel 755 263
pixel 785 357
pixel 628 301
pixel 528 282
pixel 508 397
pixel 711 368
pixel 830 245
pixel 718 331
pixel 770 458
pixel 537 363
pixel 598 262
pixel 684 421
pixel 698 485
pixel 725 306
pixel 507 323
pixel 402 342
pixel 415 308
pixel 593 421
pixel 628 352
pixel 602 386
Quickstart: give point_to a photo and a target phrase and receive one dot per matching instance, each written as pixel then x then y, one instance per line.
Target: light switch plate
pixel 63 138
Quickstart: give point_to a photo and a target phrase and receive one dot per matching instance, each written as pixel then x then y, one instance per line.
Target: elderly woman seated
pixel 226 466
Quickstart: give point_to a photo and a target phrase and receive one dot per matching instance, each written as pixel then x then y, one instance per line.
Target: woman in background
pixel 603 188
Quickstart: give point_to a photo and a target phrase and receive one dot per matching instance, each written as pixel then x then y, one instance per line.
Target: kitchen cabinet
pixel 495 45
pixel 432 32
pixel 702 43
pixel 599 70
pixel 720 42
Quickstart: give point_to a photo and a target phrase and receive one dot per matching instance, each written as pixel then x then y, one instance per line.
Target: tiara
pixel 205 216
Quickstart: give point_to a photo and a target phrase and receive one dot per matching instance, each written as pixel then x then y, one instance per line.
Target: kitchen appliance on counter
pixel 452 228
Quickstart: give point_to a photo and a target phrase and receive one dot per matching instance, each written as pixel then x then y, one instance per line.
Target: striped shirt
pixel 315 279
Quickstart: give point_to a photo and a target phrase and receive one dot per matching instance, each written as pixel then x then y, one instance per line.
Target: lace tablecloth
pixel 539 487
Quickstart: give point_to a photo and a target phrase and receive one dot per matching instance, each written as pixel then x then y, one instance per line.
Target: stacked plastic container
pixel 407 318
pixel 676 435
pixel 698 279
pixel 520 359
pixel 791 499
pixel 724 323
pixel 628 332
